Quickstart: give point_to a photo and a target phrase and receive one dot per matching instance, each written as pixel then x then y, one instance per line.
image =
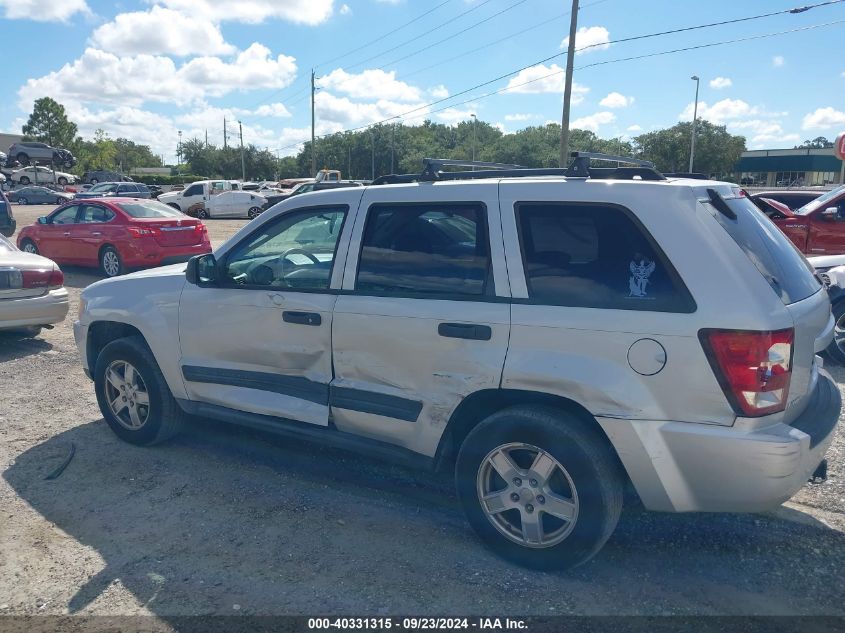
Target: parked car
pixel 32 292
pixel 792 199
pixel 309 186
pixel 37 174
pixel 103 175
pixel 232 204
pixel 818 228
pixel 200 191
pixel 7 219
pixel 116 189
pixel 549 340
pixel 116 234
pixel 38 195
pixel 155 191
pixel 26 152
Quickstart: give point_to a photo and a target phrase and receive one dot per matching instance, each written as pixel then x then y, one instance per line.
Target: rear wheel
pixel 23 200
pixel 94 181
pixel 836 349
pixel 133 395
pixel 24 180
pixel 110 263
pixel 203 214
pixel 28 246
pixel 62 181
pixel 60 200
pixel 539 486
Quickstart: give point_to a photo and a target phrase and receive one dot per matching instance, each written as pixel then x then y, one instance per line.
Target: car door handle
pixel 67 233
pixel 465 330
pixel 96 233
pixel 302 318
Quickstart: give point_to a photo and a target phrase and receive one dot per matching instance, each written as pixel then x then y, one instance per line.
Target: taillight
pixel 137 231
pixel 50 279
pixel 753 368
pixel 201 228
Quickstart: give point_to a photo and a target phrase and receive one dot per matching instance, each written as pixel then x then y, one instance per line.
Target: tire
pixel 94 181
pixel 60 200
pixel 28 246
pixel 253 213
pixel 23 200
pixel 837 350
pixel 22 158
pixel 24 180
pixel 160 419
pixel 586 484
pixel 111 264
pixel 203 214
pixel 62 181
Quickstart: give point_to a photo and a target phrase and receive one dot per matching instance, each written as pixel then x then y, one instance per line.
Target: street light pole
pixel 373 143
pixel 474 136
pixel 179 153
pixel 392 146
pixel 694 123
pixel 567 90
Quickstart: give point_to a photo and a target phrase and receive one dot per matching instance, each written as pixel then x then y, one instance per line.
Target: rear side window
pixel 595 256
pixel 149 209
pixel 788 272
pixel 427 249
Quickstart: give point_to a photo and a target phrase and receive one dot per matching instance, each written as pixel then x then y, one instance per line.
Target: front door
pixel 827 231
pixel 260 340
pixel 424 317
pixel 54 237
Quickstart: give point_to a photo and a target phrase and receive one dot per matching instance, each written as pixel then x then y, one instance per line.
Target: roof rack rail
pixel 580 167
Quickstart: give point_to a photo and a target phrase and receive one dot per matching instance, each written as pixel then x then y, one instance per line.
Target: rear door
pixel 424 317
pixel 260 340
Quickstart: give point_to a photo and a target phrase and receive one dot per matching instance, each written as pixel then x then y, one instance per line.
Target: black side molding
pixel 294 386
pixel 375 403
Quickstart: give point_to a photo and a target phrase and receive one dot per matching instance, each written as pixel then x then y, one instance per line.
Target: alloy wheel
pixel 127 395
pixel 527 495
pixel 29 247
pixel 111 263
pixel 839 333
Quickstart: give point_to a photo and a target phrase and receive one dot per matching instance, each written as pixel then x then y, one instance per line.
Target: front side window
pixel 595 256
pixel 429 249
pixel 65 216
pixel 194 190
pixel 295 251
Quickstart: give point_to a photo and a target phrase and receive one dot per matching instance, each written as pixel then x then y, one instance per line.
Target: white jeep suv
pixel 553 336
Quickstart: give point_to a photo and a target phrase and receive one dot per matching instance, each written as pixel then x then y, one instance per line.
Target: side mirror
pixel 830 214
pixel 42 219
pixel 202 270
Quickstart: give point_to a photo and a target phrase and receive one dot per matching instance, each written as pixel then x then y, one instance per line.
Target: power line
pixel 594 64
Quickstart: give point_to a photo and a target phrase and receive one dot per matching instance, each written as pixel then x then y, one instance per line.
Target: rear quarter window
pixel 595 256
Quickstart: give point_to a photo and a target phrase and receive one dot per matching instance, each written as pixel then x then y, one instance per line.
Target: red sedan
pixel 116 234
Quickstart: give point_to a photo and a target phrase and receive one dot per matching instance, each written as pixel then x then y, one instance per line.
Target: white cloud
pixel 778 61
pixel 254 11
pixel 367 84
pixel 544 79
pixel 589 39
pixel 823 119
pixel 160 31
pixel 594 121
pixel 454 115
pixel 344 113
pixel 520 117
pixel 616 100
pixel 273 110
pixel 721 111
pixel 43 10
pixel 720 83
pixel 634 128
pixel 439 92
pixel 105 78
pixel 345 10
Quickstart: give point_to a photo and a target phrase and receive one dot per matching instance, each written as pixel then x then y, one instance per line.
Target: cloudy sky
pixel 144 69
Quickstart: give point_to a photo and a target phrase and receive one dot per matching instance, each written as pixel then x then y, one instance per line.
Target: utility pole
pixel 313 146
pixel 206 138
pixel 474 135
pixel 225 136
pixel 694 123
pixel 373 143
pixel 567 90
pixel 243 164
pixel 392 149
pixel 349 162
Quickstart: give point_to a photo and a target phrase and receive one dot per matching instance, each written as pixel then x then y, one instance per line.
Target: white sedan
pixel 32 292
pixel 40 175
pixel 233 204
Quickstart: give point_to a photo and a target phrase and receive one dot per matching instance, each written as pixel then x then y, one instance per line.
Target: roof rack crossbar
pixel 580 166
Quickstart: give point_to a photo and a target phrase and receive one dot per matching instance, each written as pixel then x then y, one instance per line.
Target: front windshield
pixel 149 209
pixel 103 187
pixel 820 201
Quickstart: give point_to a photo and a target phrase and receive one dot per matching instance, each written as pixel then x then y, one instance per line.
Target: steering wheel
pixel 295 251
pixel 265 274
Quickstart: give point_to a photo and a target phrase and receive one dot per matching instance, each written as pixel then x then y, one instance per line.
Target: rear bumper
pixel 684 467
pixel 152 255
pixel 43 310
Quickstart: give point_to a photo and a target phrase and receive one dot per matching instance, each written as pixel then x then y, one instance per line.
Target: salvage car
pixel 550 337
pixel 32 292
pixel 115 234
pixel 232 204
pixel 26 152
pixel 116 189
pixel 38 174
pixel 38 195
pixel 793 199
pixel 817 228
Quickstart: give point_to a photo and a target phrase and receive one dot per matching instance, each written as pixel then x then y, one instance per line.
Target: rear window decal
pixel 640 272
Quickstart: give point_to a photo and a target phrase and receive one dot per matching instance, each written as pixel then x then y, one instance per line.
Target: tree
pixel 49 124
pixel 716 152
pixel 820 142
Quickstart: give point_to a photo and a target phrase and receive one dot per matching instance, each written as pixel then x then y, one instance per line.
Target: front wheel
pixel 253 213
pixel 110 263
pixel 539 486
pixel 24 180
pixel 836 349
pixel 28 246
pixel 133 395
pixel 63 181
pixel 23 200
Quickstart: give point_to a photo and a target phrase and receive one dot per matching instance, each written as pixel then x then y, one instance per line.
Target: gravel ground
pixel 228 521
